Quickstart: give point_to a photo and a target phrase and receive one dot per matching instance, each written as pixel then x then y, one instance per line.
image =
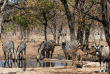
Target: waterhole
pixel 31 64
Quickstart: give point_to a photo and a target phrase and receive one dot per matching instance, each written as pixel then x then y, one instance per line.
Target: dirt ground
pixel 90 68
pixel 31 52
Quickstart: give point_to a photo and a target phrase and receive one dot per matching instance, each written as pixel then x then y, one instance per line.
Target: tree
pixel 102 17
pixel 81 24
pixel 2 14
pixel 106 23
pixel 58 22
pixel 69 18
pixel 44 9
pixel 5 3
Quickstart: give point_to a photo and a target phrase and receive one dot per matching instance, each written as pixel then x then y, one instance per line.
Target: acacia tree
pixel 84 24
pixel 57 22
pixel 44 10
pixel 24 17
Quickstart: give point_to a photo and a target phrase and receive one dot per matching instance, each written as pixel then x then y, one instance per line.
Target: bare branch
pixel 51 29
pixel 90 16
pixel 91 7
pixel 3 6
pixel 20 8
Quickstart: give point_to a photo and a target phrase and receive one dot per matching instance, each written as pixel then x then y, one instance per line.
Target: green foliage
pixel 31 15
pixel 24 21
pixel 44 6
pixel 8 27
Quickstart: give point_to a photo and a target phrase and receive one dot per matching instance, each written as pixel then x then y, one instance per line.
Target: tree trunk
pixel 2 14
pixel 24 34
pixel 58 39
pixel 45 26
pixel 72 33
pixel 45 32
pixel 80 34
pixel 27 35
pixel 1 20
pixel 70 21
pixel 59 34
pixel 55 33
pixel 87 36
pixel 21 32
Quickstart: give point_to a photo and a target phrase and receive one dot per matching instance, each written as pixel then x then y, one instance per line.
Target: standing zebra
pixel 69 47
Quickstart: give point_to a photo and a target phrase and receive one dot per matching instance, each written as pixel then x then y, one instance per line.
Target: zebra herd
pixel 11 53
pixel 46 48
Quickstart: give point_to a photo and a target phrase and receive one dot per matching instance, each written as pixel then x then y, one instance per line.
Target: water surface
pixel 31 64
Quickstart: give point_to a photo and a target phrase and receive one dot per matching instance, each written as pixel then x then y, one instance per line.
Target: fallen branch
pixel 56 60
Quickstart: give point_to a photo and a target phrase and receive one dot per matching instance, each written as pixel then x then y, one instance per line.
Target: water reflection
pixel 14 64
pixel 53 64
pixel 31 64
pixel 7 64
pixel 47 64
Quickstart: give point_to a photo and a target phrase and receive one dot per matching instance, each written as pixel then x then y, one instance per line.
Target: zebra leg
pixel 19 56
pixel 47 54
pixel 103 63
pixel 44 54
pixel 51 54
pixel 11 56
pixel 22 55
pixel 5 55
pixel 25 53
pixel 65 54
pixel 8 56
